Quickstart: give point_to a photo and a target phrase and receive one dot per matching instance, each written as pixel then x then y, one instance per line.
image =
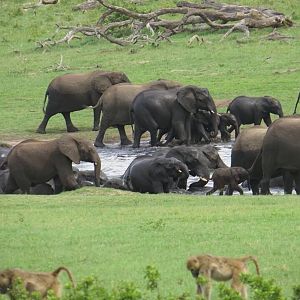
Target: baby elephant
pixel 228 176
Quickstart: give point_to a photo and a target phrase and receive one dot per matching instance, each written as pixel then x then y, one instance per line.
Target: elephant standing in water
pixel 280 153
pixel 249 110
pixel 147 174
pixel 32 162
pixel 116 103
pixel 72 92
pixel 170 111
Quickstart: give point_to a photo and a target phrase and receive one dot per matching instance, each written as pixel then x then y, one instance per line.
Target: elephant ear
pixel 67 145
pixel 157 170
pixel 101 83
pixel 186 98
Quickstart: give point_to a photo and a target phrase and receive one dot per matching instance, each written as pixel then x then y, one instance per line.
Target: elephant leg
pixel 212 190
pixel 123 137
pixel 297 182
pixel 288 181
pixel 137 137
pixel 58 187
pixel 236 187
pixel 42 128
pixel 267 119
pixel 11 185
pixel 254 184
pixel 153 137
pixel 69 124
pixel 67 178
pixel 97 112
pixel 20 181
pixel 157 187
pixel 103 127
pixel 265 185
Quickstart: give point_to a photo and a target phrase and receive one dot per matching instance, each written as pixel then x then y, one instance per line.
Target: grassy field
pixel 115 234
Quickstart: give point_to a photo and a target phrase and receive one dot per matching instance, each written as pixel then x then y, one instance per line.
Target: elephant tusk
pixel 212 112
pixel 179 171
pixel 96 164
pixel 203 179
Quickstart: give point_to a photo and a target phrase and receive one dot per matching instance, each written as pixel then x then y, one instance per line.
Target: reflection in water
pixel 115 160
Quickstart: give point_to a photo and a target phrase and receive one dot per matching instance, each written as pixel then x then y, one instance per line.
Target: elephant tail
pixel 46 95
pixel 296 104
pixel 131 116
pixel 256 163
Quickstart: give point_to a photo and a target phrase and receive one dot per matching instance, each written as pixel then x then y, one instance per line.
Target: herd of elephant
pixel 187 114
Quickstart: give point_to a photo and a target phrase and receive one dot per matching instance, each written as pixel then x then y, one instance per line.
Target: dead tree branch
pixel 153 27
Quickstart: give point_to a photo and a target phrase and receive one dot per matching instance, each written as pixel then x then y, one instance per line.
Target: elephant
pixel 72 92
pixel 4 150
pixel 228 176
pixel 32 162
pixel 199 160
pixel 202 125
pixel 87 177
pixel 170 111
pixel 115 104
pixel 115 183
pixel 280 154
pixel 147 174
pixel 249 110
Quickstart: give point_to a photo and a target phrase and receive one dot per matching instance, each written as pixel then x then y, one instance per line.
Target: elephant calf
pixel 228 176
pixel 147 174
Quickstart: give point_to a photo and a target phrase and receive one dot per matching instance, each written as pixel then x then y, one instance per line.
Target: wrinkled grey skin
pixel 230 177
pixel 147 174
pixel 32 162
pixel 115 183
pixel 116 102
pixel 252 110
pixel 39 189
pixel 72 92
pixel 87 177
pixel 170 111
pixel 280 153
pixel 202 126
pixel 200 160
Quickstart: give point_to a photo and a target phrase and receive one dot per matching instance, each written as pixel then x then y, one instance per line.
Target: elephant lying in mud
pixel 170 112
pixel 72 92
pixel 116 102
pixel 147 174
pixel 32 162
pixel 252 110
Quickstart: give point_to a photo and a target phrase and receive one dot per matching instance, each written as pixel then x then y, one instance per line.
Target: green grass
pixel 115 235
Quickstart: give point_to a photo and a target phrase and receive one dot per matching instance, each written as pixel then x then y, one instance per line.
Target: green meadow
pixel 114 234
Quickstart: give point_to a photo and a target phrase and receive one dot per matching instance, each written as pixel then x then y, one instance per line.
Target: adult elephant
pixel 170 111
pixel 280 154
pixel 147 174
pixel 202 125
pixel 32 162
pixel 252 110
pixel 72 92
pixel 245 150
pixel 199 160
pixel 116 103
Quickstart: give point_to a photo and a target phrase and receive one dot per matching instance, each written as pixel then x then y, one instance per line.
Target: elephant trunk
pixel 280 113
pixel 215 121
pixel 97 169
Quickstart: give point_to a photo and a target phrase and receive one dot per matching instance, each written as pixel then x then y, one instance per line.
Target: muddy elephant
pixel 147 174
pixel 252 110
pixel 280 154
pixel 32 162
pixel 202 126
pixel 200 160
pixel 230 177
pixel 72 92
pixel 4 150
pixel 116 102
pixel 170 111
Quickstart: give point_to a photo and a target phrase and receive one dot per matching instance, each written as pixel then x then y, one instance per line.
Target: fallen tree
pixel 153 27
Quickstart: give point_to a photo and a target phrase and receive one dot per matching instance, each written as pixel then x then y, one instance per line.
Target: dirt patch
pixel 222 103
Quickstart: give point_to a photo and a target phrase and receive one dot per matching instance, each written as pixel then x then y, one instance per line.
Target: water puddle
pixel 115 160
